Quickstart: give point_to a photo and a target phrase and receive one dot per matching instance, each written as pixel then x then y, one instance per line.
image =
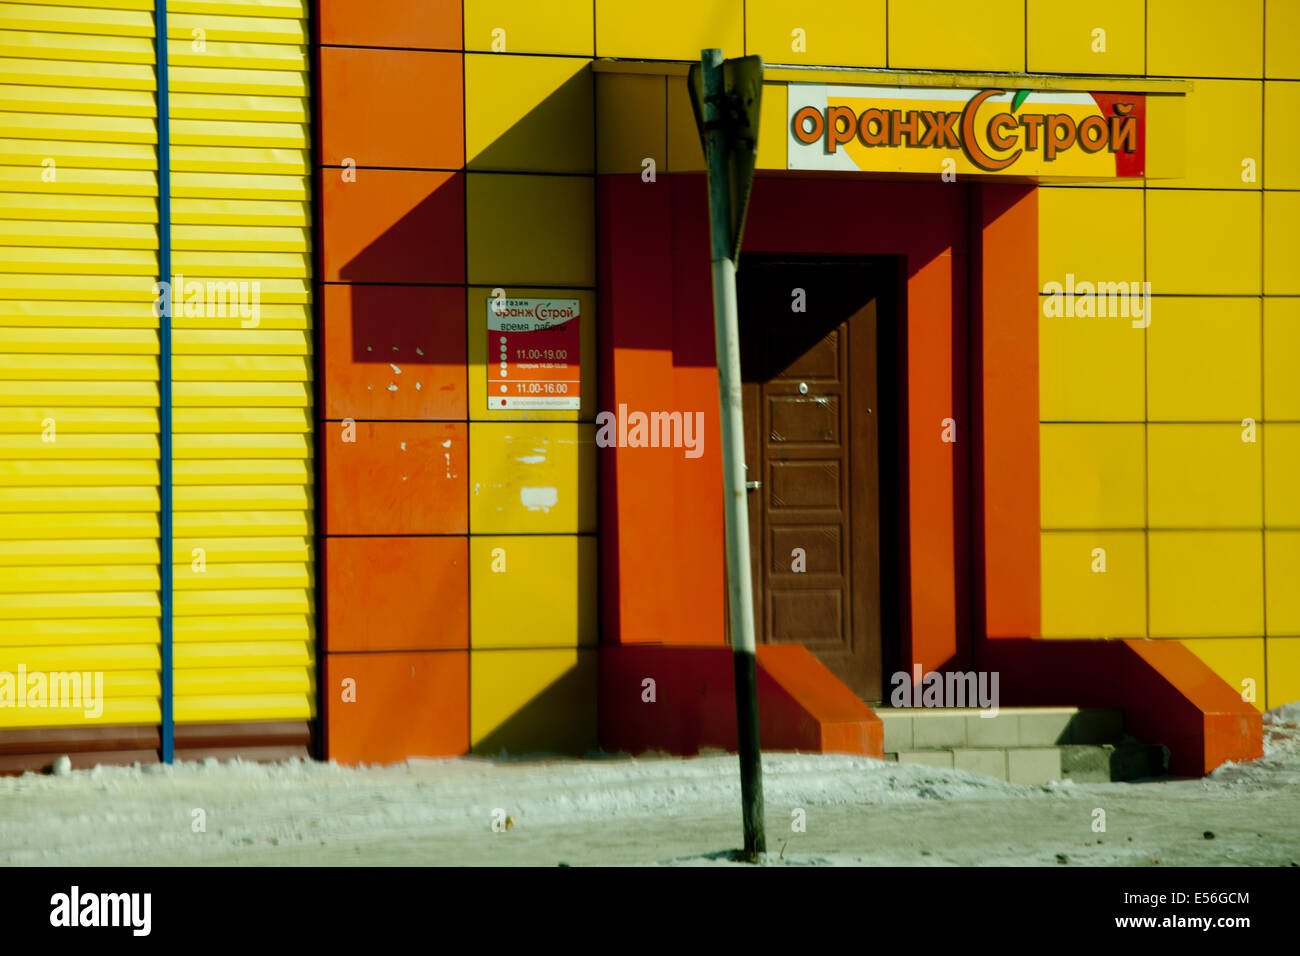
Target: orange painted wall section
pixel 426 24
pixel 401 108
pixel 396 478
pixel 407 705
pixel 369 328
pixel 662 532
pixel 393 370
pixel 1007 500
pixel 393 226
pixel 407 593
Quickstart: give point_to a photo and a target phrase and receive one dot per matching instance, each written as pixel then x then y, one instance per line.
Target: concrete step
pixel 910 729
pixel 1082 763
pixel 1028 765
pixel 1128 760
pixel 1028 745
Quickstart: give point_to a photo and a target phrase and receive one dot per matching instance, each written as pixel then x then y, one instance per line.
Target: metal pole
pixel 165 537
pixel 727 336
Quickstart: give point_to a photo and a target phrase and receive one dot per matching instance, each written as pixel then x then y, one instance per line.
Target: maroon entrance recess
pixel 662 528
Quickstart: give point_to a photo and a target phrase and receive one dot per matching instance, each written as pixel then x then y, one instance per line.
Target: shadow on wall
pixel 396 325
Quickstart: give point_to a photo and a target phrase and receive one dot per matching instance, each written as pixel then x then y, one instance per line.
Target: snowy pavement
pixel 651 810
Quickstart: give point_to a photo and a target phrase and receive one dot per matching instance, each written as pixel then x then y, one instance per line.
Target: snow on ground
pixel 651 810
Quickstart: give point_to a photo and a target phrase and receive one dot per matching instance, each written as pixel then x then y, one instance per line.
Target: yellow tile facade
pixel 525 26
pixel 955 35
pixel 1216 374
pixel 1104 36
pixel 527 591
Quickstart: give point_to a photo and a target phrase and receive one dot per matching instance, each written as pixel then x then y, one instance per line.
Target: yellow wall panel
pixel 528 113
pixel 528 477
pixel 221 524
pixel 1281 51
pixel 238 707
pixel 131 710
pixel 1094 234
pixel 1281 243
pixel 1203 360
pixel 831 33
pixel 52 472
pixel 1282 359
pixel 244 452
pixel 1090 369
pixel 238 55
pixel 1203 476
pixel 1082 601
pixel 685 154
pixel 46 580
pixel 103 75
pixel 955 35
pixel 773 116
pixel 78 604
pixel 1283 671
pixel 1281 169
pixel 83 552
pixel 631 122
pixel 247 26
pixel 79 585
pixel 1200 38
pixel 1063 39
pixel 525 26
pixel 1167 137
pixel 532 700
pixel 1206 583
pixel 1240 662
pixel 533 591
pixel 1281 441
pixel 72 46
pixel 1203 242
pixel 293 9
pixel 537 230
pixel 672 30
pixel 477 299
pixel 140 632
pixel 97 22
pixel 1092 476
pixel 258 601
pixel 1222 130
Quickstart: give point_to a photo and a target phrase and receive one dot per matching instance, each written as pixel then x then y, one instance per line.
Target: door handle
pixel 753 485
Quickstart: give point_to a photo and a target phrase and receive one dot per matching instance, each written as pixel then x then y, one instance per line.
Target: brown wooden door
pixel 811 441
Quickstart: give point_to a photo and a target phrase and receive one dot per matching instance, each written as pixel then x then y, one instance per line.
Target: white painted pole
pixel 727 337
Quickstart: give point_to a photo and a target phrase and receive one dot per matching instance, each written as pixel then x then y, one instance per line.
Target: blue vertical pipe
pixel 165 544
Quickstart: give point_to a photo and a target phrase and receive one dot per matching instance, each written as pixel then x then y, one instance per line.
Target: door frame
pixel 887 277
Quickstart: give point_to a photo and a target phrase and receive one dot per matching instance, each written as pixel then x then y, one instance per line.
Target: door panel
pixel 810 438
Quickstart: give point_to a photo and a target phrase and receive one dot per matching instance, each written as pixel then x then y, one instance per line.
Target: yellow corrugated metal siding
pixel 79 518
pixel 79 354
pixel 240 132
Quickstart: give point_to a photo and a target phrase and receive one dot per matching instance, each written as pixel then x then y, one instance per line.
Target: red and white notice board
pixel 533 347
